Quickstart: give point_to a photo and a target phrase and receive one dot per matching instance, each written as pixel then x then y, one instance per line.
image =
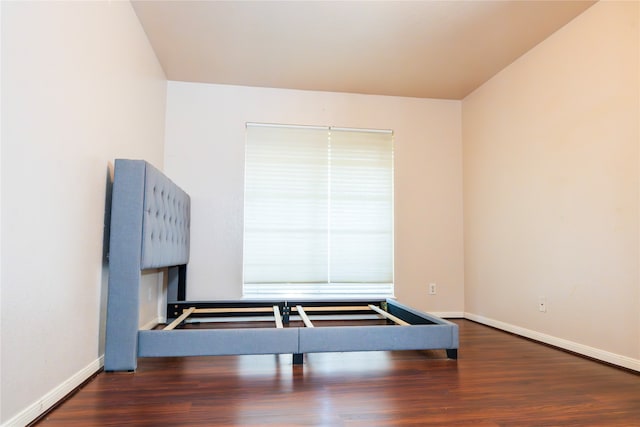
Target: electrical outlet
pixel 432 289
pixel 542 304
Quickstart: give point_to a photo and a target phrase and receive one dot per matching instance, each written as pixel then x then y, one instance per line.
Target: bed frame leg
pixel 298 358
pixel 452 353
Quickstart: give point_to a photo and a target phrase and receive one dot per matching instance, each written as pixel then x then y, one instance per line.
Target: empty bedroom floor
pixel 499 380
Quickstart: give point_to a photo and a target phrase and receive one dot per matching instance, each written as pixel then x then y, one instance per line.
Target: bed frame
pixel 150 226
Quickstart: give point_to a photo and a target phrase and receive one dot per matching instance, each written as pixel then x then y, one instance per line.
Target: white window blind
pixel 318 212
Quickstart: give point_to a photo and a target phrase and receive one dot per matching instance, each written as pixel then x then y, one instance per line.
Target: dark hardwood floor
pixel 498 380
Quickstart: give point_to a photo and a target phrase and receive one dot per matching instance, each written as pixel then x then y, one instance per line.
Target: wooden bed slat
pixel 338 308
pixel 277 316
pixel 304 317
pixel 234 310
pixel 388 315
pixel 185 313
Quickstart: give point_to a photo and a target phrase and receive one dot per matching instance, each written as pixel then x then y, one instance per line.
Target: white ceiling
pixel 426 49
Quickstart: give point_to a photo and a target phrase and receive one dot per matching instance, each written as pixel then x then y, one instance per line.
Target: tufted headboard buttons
pixel 166 222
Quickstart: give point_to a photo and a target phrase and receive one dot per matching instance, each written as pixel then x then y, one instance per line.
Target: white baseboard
pixel 448 314
pixel 152 323
pixel 585 350
pixel 40 406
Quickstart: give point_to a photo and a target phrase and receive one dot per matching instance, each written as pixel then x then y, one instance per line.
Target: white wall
pixel 551 184
pixel 80 87
pixel 204 153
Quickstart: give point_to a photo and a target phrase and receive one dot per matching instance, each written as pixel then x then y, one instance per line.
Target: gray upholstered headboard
pixel 165 225
pixel 150 222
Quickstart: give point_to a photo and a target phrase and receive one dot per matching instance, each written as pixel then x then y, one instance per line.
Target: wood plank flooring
pixel 498 380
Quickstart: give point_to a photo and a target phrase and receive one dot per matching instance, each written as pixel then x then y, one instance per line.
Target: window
pixel 318 212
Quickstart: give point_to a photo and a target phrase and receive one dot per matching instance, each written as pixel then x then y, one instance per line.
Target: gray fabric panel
pixel 167 216
pixel 431 318
pixel 124 266
pixel 211 342
pixel 373 338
